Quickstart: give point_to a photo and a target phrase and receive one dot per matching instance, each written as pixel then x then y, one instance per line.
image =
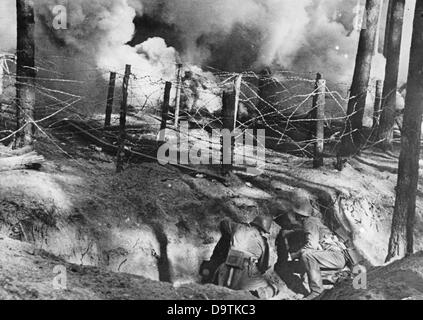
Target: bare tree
pixel 402 241
pixel 26 72
pixel 393 40
pixel 361 79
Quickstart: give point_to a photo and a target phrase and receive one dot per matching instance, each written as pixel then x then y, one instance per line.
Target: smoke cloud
pixel 310 34
pixel 234 35
pixel 101 29
pixel 7 25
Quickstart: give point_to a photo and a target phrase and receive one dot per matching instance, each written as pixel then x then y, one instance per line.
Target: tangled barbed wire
pixel 280 102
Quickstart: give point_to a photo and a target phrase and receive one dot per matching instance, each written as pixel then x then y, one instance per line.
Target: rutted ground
pixel 150 221
pixel 28 273
pixel 401 280
pixel 160 223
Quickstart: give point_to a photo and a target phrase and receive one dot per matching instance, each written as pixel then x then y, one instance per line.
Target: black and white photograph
pixel 211 155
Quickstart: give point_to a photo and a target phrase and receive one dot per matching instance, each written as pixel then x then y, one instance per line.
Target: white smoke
pixel 283 22
pixel 95 43
pixel 102 29
pixel 292 33
pixel 7 25
pixel 303 35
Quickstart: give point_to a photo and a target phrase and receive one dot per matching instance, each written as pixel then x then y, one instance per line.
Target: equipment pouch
pixel 235 259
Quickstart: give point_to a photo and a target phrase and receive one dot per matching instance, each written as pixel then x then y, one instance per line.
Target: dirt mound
pixel 151 221
pixel 359 200
pixel 401 280
pixel 161 223
pixel 29 273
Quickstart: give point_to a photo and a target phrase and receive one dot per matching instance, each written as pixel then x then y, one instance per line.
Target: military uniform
pixel 243 256
pixel 322 251
pixel 312 242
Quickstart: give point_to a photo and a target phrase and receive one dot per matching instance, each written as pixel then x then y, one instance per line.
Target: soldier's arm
pixel 221 250
pixel 311 231
pixel 264 261
pixel 227 226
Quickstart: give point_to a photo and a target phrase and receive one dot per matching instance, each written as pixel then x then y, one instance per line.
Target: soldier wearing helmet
pixel 243 257
pixel 320 248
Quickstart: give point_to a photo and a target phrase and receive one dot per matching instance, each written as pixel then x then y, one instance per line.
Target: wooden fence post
pixel 110 98
pixel 122 122
pixel 2 61
pixel 165 111
pixel 230 107
pixel 228 121
pixel 238 83
pixel 318 114
pixel 178 95
pixel 404 222
pixel 378 104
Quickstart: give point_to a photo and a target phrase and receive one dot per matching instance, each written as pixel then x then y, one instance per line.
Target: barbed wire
pixel 280 102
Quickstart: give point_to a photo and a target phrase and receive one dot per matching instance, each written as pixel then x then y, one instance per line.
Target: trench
pixel 143 251
pixel 157 251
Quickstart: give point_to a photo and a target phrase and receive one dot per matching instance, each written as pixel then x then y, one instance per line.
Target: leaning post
pixel 122 122
pixel 110 98
pixel 228 117
pixel 1 73
pixel 178 94
pixel 165 111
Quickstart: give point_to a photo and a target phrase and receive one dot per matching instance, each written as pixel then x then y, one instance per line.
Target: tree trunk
pixel 387 26
pixel 393 40
pixel 352 140
pixel 1 74
pixel 402 241
pixel 26 72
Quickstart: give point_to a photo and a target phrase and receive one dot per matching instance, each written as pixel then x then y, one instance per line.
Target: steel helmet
pixel 301 203
pixel 263 222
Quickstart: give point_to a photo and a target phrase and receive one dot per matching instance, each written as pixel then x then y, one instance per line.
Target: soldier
pixel 320 249
pixel 243 256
